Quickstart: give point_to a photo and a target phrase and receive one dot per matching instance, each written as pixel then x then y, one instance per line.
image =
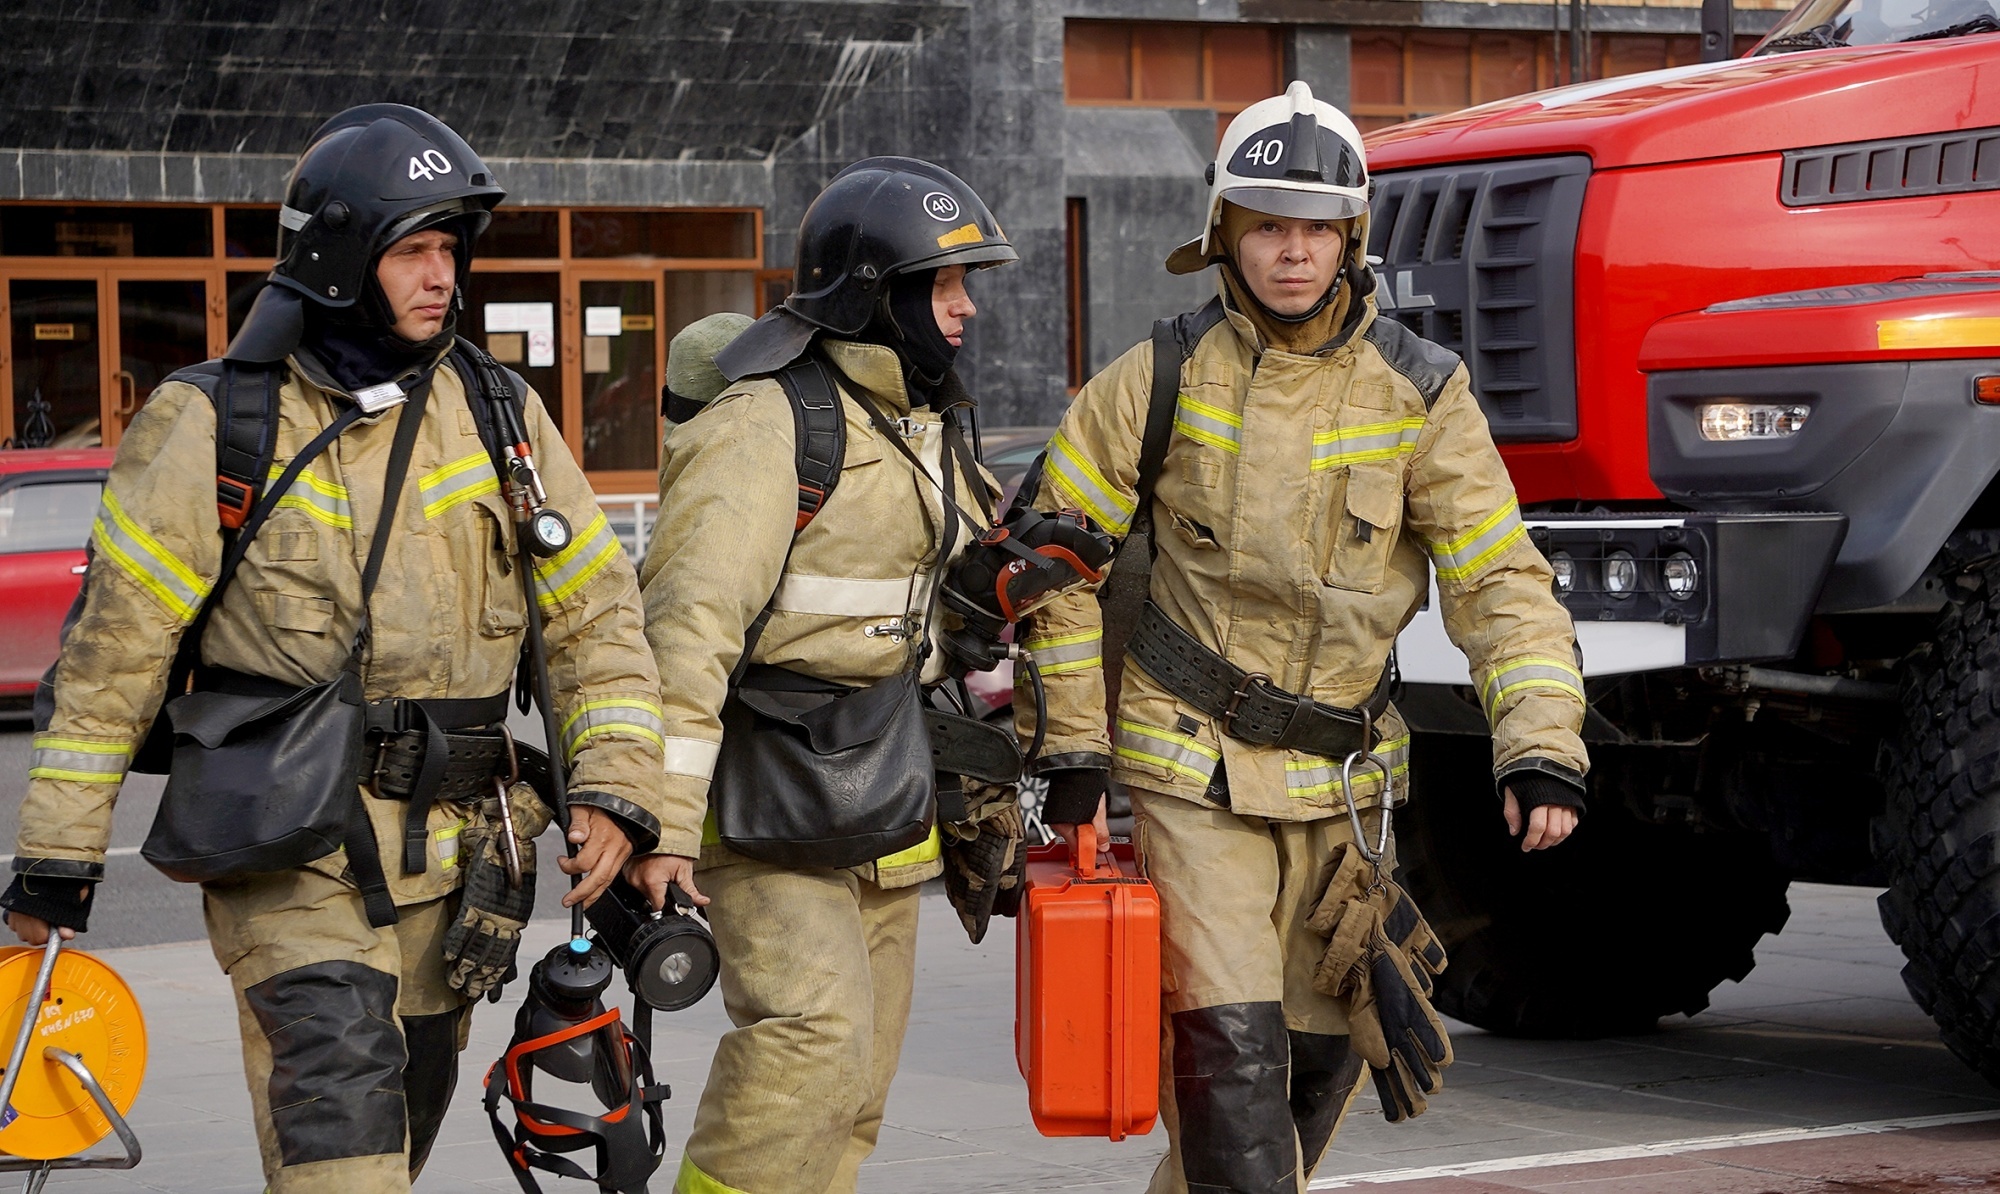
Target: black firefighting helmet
pixel 369 177
pixel 878 218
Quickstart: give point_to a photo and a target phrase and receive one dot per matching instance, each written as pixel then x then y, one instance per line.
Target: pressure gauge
pixel 548 533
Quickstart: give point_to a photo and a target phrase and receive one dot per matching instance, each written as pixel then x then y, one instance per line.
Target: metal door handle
pixel 128 393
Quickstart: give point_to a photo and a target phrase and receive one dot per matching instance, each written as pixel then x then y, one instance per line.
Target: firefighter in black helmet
pixel 354 972
pixel 815 598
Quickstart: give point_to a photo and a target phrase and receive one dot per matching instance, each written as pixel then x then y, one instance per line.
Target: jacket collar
pixel 1359 316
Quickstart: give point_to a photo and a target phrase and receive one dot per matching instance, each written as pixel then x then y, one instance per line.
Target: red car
pixel 48 501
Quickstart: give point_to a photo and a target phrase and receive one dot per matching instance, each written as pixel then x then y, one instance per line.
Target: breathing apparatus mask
pixel 1009 572
pixel 669 957
pixel 565 1034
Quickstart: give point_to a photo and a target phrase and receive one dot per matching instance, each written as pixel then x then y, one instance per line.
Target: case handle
pixel 1085 861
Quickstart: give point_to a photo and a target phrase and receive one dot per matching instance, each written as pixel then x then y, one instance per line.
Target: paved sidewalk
pixel 1821 1034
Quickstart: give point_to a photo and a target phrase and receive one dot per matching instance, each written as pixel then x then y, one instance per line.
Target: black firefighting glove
pixel 1533 789
pixel 986 858
pixel 1382 959
pixel 1074 793
pixel 64 903
pixel 479 947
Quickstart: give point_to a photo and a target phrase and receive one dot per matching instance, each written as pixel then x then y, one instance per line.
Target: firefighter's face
pixel 417 275
pixel 1289 264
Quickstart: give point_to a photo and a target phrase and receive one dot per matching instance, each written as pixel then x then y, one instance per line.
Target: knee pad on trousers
pixel 337 1061
pixel 1232 1093
pixel 430 1078
pixel 1324 1071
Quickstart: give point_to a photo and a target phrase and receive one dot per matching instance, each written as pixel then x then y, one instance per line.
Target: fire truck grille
pixel 1481 259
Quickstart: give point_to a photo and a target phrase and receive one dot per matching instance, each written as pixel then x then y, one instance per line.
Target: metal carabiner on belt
pixel 509 847
pixel 1366 757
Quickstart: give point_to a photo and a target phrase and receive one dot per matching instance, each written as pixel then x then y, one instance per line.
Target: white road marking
pixel 113 852
pixel 1662 1148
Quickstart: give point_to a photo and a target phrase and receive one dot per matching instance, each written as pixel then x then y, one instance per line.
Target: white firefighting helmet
pixel 1290 155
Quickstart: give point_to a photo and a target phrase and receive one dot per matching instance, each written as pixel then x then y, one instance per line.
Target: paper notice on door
pixel 508 348
pixel 601 321
pixel 597 354
pixel 536 320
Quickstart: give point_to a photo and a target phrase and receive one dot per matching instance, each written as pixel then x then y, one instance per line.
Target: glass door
pixel 56 362
pixel 619 323
pixel 163 325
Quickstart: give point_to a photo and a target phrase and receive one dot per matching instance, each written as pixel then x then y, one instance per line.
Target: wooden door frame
pixel 107 273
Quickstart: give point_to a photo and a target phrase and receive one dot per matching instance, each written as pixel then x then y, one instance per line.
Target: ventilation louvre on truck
pixel 1898 168
pixel 1481 260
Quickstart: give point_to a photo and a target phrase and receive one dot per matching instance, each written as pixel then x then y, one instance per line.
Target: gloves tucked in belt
pixel 479 948
pixel 64 903
pixel 985 858
pixel 1382 958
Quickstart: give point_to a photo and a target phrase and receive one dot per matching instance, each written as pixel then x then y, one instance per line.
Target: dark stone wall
pixel 634 79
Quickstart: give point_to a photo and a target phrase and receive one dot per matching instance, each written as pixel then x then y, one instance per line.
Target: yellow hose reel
pixel 74 1034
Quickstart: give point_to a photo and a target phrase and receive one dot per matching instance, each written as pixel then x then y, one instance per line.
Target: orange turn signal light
pixel 1986 390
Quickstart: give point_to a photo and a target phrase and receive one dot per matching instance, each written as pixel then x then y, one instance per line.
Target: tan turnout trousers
pixel 817 970
pixel 1237 961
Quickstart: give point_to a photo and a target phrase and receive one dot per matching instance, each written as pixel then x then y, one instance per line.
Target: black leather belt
pixel 1248 705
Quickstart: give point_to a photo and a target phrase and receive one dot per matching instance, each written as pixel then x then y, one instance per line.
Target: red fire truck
pixel 1736 327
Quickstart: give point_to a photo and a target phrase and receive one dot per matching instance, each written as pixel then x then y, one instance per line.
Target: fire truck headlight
pixel 1733 421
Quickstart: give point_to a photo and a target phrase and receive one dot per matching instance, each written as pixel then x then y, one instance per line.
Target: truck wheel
pixel 1939 835
pixel 1623 923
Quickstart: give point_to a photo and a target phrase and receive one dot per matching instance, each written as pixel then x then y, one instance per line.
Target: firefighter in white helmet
pixel 1320 464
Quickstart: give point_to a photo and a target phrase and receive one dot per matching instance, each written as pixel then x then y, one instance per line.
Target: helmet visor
pixel 1297 204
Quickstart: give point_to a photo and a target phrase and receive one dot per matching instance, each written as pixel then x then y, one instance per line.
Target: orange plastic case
pixel 1087 1010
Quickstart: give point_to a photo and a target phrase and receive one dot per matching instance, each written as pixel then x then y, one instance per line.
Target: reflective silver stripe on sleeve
pixel 572 567
pixel 692 756
pixel 613 715
pixel 1520 674
pixel 842 596
pixel 1465 556
pixel 77 759
pixel 1080 483
pixel 1067 652
pixel 1178 753
pixel 144 559
pixel 1311 776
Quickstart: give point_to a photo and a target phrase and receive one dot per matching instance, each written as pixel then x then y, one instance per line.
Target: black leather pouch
pixel 824 778
pixel 258 784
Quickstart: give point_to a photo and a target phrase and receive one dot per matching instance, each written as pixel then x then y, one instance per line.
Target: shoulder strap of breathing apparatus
pixel 1124 593
pixel 819 433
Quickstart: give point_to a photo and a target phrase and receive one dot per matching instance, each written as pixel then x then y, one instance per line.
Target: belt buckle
pixel 1237 698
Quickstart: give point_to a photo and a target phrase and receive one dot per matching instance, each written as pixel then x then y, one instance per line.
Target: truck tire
pixel 1939 834
pixel 1620 925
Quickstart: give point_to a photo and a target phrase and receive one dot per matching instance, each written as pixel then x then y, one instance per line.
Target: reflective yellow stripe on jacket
pixel 1463 557
pixel 141 557
pixel 78 759
pixel 1178 753
pixel 1211 425
pixel 460 481
pixel 1061 653
pixel 1518 674
pixel 324 500
pixel 1311 777
pixel 613 715
pixel 1373 441
pixel 1084 488
pixel 562 574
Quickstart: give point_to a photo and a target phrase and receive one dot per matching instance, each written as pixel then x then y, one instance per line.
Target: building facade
pixel 658 156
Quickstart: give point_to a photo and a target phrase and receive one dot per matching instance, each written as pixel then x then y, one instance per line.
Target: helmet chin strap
pixel 1302 317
